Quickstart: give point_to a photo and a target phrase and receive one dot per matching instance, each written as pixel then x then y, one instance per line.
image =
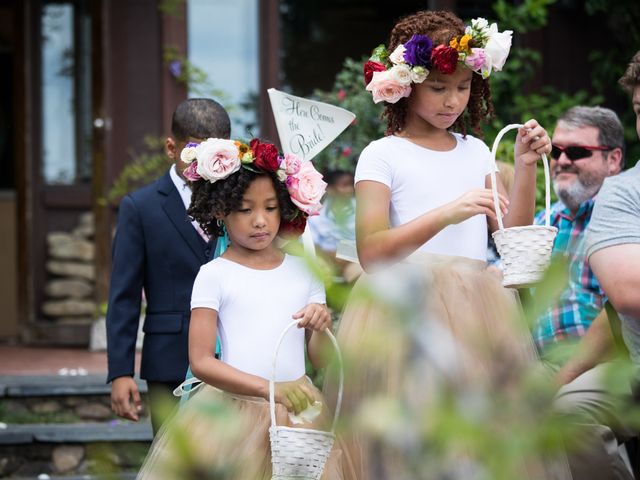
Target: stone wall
pixel 70 289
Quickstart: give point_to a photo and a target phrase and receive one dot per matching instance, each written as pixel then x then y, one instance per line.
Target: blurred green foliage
pixel 146 165
pixel 348 92
pixel 436 424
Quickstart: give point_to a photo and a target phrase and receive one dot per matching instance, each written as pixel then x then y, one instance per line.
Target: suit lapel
pixel 174 208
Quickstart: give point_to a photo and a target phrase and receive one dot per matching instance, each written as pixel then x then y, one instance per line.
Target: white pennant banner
pixel 305 126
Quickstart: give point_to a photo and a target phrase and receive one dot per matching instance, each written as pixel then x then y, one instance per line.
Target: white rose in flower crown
pixel 402 74
pixel 217 159
pixel 497 48
pixel 188 154
pixel 282 175
pixel 479 24
pixel 385 87
pixel 397 56
pixel 419 74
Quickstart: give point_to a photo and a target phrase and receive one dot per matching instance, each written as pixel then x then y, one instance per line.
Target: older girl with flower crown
pixel 246 297
pixel 424 198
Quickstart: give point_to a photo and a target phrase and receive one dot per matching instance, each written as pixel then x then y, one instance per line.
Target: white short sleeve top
pixel 421 180
pixel 254 307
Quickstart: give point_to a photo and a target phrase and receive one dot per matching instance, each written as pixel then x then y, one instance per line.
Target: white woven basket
pixel 300 453
pixel 525 251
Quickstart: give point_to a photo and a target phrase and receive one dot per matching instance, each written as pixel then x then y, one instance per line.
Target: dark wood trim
pixel 20 107
pixel 173 34
pixel 67 196
pixel 101 211
pixel 28 147
pixel 269 51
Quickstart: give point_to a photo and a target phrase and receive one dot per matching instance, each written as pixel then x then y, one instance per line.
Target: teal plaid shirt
pixel 582 301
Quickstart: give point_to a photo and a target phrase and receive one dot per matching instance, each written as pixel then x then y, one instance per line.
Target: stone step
pixel 27 451
pixel 57 399
pixel 56 385
pixel 111 476
pixel 115 431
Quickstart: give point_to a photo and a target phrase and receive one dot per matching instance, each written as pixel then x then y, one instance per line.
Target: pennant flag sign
pixel 305 126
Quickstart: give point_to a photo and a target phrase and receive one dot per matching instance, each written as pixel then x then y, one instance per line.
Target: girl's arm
pixel 315 318
pixel 376 241
pixel 203 329
pixel 202 344
pixel 528 151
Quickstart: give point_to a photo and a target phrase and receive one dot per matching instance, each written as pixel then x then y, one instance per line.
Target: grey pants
pixel 599 456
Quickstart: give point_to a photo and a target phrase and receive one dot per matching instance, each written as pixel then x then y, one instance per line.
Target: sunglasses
pixel 575 152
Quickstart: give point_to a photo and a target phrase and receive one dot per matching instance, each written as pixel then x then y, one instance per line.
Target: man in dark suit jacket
pixel 158 249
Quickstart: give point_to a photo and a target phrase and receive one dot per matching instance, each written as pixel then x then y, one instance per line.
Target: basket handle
pixel 272 393
pixel 494 188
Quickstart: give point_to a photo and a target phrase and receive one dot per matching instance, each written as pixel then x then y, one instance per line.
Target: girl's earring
pixel 219 223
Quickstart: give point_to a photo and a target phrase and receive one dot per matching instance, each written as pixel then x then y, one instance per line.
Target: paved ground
pixel 17 360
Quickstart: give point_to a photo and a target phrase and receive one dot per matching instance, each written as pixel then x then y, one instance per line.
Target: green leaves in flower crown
pixel 380 55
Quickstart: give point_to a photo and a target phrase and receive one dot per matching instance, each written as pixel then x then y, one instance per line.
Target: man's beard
pixel 579 191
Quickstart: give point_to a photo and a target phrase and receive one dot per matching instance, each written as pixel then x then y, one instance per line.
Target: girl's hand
pixel 295 396
pixel 313 317
pixel 475 202
pixel 532 141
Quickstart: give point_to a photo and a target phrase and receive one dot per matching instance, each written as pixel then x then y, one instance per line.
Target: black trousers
pixel 162 402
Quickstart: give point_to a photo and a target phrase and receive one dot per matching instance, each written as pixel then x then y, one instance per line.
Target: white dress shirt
pixel 185 194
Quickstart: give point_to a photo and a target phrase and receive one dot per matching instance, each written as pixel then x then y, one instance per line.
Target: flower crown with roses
pixel 482 49
pixel 215 159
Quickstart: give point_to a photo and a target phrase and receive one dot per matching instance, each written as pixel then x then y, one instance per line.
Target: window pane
pixel 223 41
pixel 66 93
pixel 58 113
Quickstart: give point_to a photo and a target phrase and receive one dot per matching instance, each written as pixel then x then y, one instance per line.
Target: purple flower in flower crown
pixel 418 51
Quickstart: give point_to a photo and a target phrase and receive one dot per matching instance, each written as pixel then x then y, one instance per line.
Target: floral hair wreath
pixel 215 159
pixel 482 49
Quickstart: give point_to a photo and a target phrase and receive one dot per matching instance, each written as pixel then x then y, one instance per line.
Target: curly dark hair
pixel 631 78
pixel 225 196
pixel 440 26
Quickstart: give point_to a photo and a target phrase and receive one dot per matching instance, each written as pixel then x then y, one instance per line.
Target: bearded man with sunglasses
pixel 587 147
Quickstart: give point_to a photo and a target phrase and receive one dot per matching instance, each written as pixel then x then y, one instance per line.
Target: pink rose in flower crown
pixel 266 155
pixel 217 159
pixel 475 60
pixel 191 173
pixel 307 188
pixel 291 164
pixel 386 88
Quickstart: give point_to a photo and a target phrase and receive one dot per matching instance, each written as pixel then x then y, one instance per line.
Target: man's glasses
pixel 575 152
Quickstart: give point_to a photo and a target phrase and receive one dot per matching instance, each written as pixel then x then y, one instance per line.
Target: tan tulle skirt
pixel 405 333
pixel 217 435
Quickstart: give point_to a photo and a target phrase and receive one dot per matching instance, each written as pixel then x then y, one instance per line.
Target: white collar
pixel 181 185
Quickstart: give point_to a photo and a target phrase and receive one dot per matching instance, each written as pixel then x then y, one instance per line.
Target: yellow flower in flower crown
pixel 242 147
pixel 454 43
pixel 464 43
